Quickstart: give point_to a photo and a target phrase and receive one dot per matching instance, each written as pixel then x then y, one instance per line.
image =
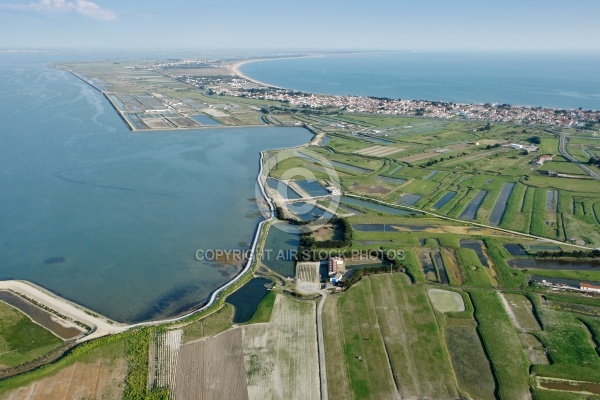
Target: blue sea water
pixel 112 219
pixel 561 80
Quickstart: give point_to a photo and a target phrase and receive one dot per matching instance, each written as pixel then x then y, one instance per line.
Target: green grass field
pixel 392 341
pixel 571 347
pixel 501 344
pixel 22 340
pixel 470 363
pixel 211 325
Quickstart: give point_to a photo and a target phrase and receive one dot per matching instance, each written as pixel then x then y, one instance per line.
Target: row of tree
pixel 307 240
pixel 573 254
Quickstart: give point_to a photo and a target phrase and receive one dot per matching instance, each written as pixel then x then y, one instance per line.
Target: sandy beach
pixel 235 68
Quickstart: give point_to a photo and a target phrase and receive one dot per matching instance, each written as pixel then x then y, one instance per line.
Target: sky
pixel 301 25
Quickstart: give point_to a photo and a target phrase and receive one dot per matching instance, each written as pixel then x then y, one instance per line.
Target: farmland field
pixel 392 342
pixel 502 345
pixel 281 356
pixel 212 369
pixel 470 363
pixel 99 373
pixel 102 379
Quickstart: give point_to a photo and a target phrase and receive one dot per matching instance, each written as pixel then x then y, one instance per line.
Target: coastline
pixel 103 326
pixel 235 68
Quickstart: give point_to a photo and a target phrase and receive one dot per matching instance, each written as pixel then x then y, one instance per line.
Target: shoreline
pixel 235 68
pixel 103 326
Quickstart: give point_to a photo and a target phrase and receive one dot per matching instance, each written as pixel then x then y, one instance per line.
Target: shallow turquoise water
pixel 112 219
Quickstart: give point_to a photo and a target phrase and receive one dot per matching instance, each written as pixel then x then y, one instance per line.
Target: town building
pixel 335 264
pixel 589 288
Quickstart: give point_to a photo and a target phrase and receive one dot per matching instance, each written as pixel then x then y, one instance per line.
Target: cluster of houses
pixel 586 287
pixel 583 287
pixel 527 147
pixel 337 270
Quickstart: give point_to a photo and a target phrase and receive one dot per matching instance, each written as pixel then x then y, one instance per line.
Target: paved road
pixel 563 150
pixel 321 347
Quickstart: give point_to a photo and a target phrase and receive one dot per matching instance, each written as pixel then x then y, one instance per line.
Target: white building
pixel 589 288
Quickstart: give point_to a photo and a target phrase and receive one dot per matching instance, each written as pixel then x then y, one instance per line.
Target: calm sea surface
pixel 112 219
pixel 565 80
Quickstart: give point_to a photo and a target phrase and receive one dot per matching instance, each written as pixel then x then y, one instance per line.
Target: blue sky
pixel 307 24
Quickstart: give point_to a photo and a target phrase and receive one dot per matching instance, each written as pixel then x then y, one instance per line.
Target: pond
pixel 306 157
pixel 388 228
pixel 427 265
pixel 396 181
pixel 470 212
pixel 477 246
pixel 308 212
pixel 375 207
pixel 500 206
pixel 246 299
pixel 430 175
pixel 205 120
pixel 515 249
pixel 39 316
pixel 398 168
pixel 378 140
pixel 409 199
pixel 555 264
pixel 283 189
pixel 552 200
pixel 442 202
pixel 279 249
pixel 313 188
pixel 348 210
pixel 441 268
pixel 349 167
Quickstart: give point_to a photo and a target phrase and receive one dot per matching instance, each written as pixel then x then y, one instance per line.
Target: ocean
pixel 561 80
pixel 112 219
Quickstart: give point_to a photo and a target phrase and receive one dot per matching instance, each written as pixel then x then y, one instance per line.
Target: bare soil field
pixel 182 122
pixel 455 273
pixel 102 379
pixel 155 123
pixel 164 354
pixel 370 189
pixel 214 113
pixel 212 369
pixel 281 356
pixel 533 349
pixel 308 271
pixel 520 311
pixel 379 151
